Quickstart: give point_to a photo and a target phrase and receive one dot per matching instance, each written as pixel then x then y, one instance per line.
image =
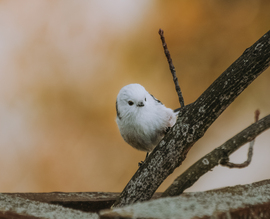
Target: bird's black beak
pixel 140 104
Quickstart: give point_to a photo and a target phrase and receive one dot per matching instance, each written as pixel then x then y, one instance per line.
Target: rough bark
pixel 12 206
pixel 212 159
pixel 242 201
pixel 194 120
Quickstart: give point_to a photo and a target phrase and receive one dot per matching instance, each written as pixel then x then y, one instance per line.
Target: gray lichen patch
pixel 205 161
pixel 259 46
pixel 26 207
pixel 185 129
pixel 202 109
pixel 197 204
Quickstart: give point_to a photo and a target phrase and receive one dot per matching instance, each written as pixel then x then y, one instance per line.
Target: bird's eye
pixel 130 103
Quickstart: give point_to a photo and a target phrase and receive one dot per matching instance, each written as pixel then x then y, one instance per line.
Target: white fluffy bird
pixel 141 118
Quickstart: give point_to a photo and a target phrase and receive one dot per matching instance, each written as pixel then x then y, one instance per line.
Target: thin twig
pixel 175 80
pixel 225 162
pixel 257 114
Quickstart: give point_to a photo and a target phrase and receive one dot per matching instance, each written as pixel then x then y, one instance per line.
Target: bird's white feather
pixel 141 118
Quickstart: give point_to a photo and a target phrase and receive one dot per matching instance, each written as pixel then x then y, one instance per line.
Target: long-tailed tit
pixel 141 118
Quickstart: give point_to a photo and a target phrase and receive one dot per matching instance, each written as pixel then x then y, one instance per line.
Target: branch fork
pixel 194 120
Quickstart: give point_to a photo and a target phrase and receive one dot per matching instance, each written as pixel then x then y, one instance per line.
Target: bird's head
pixel 131 99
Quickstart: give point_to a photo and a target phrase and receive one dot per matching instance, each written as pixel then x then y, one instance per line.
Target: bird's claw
pixel 142 162
pixel 167 129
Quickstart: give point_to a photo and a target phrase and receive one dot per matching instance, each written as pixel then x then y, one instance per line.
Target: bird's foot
pixel 142 162
pixel 167 129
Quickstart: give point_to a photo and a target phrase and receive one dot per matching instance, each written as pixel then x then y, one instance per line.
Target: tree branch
pixel 169 59
pixel 212 159
pixel 225 161
pixel 194 120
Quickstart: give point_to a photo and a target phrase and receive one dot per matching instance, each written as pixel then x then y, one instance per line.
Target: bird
pixel 141 118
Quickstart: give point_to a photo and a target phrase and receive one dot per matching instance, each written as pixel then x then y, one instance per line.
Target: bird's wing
pixel 157 101
pixel 117 112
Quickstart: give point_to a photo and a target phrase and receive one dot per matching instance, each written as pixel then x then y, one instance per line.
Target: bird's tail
pixel 177 110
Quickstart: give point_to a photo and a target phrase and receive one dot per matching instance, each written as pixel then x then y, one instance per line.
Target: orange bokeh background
pixel 64 62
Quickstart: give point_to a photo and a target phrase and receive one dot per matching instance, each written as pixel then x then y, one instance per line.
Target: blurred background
pixel 63 63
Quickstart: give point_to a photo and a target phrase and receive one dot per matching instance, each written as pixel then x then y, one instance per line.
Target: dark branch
pixel 225 161
pixel 175 80
pixel 212 159
pixel 194 120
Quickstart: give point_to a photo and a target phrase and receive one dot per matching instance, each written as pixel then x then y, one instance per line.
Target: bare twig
pixel 212 159
pixel 175 80
pixel 225 162
pixel 257 114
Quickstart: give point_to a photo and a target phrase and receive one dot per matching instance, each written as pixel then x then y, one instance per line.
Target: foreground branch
pixel 193 122
pixel 250 201
pixel 212 159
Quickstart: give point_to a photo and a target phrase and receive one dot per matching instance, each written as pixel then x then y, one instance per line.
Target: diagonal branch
pixel 193 122
pixel 212 159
